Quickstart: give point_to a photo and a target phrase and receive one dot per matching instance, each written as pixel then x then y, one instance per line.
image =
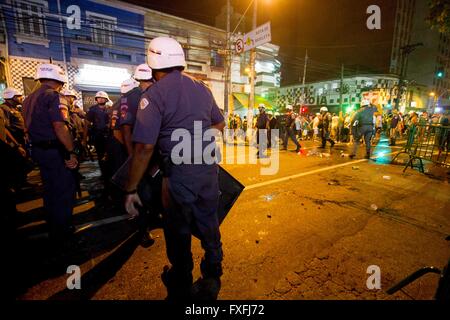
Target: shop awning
pixel 241 101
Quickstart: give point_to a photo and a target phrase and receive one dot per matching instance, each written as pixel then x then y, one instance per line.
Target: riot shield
pixel 230 189
pixel 149 189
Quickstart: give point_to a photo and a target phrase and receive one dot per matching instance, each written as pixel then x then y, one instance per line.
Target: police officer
pixel 364 123
pixel 128 105
pixel 99 118
pixel 74 121
pixel 289 132
pixel 190 189
pixel 117 148
pixel 52 149
pixel 262 124
pixel 325 126
pixel 16 126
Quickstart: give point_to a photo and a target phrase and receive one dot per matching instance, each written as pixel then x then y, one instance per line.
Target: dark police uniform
pixel 174 102
pixel 289 131
pixel 324 126
pixel 99 118
pixel 127 107
pixel 124 112
pixel 16 125
pixel 365 127
pixel 41 109
pixel 261 125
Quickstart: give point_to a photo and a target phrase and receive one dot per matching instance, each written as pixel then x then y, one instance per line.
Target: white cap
pixel 128 85
pixel 10 93
pixel 324 109
pixel 143 72
pixel 102 94
pixel 289 107
pixel 262 105
pixel 69 92
pixel 50 71
pixel 164 52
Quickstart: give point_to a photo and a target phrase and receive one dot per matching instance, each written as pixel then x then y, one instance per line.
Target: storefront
pixel 92 78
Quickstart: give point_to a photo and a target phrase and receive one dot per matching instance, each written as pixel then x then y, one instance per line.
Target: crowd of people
pixel 338 126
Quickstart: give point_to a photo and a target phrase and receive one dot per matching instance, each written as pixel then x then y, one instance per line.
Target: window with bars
pixel 102 28
pixel 30 17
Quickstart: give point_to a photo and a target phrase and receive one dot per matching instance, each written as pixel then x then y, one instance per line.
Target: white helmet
pixel 69 92
pixel 10 93
pixel 289 107
pixel 324 109
pixel 262 106
pixel 164 52
pixel 50 71
pixel 128 85
pixel 143 72
pixel 78 104
pixel 102 94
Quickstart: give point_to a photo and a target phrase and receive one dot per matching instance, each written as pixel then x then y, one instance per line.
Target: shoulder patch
pixel 144 103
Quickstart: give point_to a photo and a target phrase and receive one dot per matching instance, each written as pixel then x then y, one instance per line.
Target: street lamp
pixel 440 96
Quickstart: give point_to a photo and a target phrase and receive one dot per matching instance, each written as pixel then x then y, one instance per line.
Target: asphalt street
pixel 310 231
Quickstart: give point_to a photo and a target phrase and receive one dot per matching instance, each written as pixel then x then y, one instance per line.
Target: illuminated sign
pixel 101 76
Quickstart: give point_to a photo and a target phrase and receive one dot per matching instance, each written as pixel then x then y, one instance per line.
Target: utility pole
pixel 227 61
pixel 341 90
pixel 304 68
pixel 406 51
pixel 251 100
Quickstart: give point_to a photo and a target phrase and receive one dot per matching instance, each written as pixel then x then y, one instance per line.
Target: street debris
pixel 267 197
pixel 355 168
pixel 374 207
pixel 387 177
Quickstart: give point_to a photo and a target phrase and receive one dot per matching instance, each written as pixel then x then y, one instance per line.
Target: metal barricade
pixel 427 142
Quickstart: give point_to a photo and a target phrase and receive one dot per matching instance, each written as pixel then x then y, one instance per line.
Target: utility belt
pixel 52 145
pixel 47 144
pixel 166 164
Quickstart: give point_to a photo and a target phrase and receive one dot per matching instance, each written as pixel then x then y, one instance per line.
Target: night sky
pixel 333 31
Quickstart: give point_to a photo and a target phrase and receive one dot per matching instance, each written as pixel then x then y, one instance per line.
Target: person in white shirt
pixel 316 126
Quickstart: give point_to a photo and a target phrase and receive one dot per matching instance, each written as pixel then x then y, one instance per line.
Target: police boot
pixel 178 286
pixel 208 286
pixel 332 143
pixel 146 239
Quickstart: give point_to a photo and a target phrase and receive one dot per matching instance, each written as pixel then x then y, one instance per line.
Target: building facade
pixel 425 62
pixel 98 43
pixel 327 93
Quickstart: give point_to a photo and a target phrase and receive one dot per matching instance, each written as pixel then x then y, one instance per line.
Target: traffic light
pixel 350 109
pixel 440 73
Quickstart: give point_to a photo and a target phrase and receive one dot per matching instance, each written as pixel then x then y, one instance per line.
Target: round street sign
pixel 239 46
